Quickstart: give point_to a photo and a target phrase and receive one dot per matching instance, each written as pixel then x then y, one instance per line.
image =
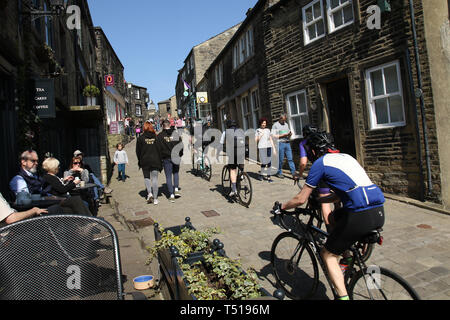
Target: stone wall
pixel 388 155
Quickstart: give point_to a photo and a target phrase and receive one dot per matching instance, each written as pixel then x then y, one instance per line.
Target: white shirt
pixel 5 209
pixel 264 142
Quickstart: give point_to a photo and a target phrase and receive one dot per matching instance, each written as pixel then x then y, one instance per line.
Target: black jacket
pixel 169 139
pixel 57 188
pixel 148 152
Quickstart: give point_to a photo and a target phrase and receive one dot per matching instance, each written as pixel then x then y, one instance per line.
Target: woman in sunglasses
pixel 76 170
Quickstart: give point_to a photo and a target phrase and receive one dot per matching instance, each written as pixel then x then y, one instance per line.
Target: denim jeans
pixel 285 149
pixel 98 184
pixel 121 169
pixel 171 170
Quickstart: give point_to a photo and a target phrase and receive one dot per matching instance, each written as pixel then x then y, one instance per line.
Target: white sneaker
pixel 232 194
pixel 172 198
pixel 177 193
pixel 149 199
pixel 155 202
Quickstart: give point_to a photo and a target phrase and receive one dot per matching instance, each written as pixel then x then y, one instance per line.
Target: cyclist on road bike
pixel 362 210
pixel 237 159
pixel 323 188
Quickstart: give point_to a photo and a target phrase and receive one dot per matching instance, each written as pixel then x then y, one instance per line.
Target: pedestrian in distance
pixel 266 148
pixel 282 132
pixel 148 152
pixel 168 139
pixel 121 160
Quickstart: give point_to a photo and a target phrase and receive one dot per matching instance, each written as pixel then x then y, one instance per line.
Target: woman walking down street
pixel 266 147
pixel 168 139
pixel 148 152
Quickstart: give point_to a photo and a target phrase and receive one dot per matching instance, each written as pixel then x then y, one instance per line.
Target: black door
pixel 341 120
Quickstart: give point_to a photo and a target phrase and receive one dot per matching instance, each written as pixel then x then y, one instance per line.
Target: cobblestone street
pixel 416 241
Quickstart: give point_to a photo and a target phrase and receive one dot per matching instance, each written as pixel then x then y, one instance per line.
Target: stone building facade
pixel 168 107
pixel 34 49
pixel 137 100
pixel 191 75
pixel 237 85
pixel 325 66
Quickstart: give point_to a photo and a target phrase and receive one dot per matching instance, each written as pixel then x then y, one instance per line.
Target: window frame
pixel 244 48
pixel 295 135
pixel 331 26
pixel 371 99
pixel 246 117
pixel 218 75
pixel 136 108
pixel 255 111
pixel 307 40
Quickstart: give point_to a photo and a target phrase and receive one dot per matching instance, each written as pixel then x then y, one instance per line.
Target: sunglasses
pixel 33 160
pixel 77 163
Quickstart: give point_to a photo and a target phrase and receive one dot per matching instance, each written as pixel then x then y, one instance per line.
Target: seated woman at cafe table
pixel 62 187
pixel 76 170
pixel 9 216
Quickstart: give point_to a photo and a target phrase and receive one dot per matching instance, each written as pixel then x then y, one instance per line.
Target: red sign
pixel 109 80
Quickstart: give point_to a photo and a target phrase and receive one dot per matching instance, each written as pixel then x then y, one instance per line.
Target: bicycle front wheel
pixel 244 189
pixel 377 283
pixel 294 266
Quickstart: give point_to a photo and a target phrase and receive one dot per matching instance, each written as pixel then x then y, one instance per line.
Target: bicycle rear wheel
pixel 244 189
pixel 294 266
pixel 207 169
pixel 377 283
pixel 226 181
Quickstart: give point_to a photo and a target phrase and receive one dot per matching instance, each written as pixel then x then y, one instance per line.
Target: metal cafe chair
pixel 64 257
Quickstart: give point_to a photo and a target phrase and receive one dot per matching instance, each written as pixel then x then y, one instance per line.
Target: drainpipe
pixel 422 103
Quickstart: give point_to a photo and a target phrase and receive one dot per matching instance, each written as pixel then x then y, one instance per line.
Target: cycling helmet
pixel 309 129
pixel 322 143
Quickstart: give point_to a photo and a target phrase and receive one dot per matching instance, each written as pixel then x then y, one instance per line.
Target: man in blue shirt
pixel 362 202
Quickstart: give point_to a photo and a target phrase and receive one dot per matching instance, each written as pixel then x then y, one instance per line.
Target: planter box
pixel 171 272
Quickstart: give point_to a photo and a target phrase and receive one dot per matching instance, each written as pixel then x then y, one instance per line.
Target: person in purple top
pixel 324 189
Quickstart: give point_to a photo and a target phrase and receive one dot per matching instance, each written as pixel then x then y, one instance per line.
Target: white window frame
pixel 371 99
pixel 331 25
pixel 246 116
pixel 255 107
pixel 137 94
pixel 218 75
pixel 307 40
pixel 138 107
pixel 244 48
pixel 296 135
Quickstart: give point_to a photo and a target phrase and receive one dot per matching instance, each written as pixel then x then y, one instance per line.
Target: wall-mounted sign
pixel 44 98
pixel 109 80
pixel 202 97
pixel 114 127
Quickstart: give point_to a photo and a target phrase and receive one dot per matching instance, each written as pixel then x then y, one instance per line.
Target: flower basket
pixel 204 274
pixel 91 91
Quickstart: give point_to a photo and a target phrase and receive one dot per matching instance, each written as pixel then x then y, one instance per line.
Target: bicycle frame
pixel 306 232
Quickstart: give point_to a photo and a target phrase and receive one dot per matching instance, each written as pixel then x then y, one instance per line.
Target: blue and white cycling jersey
pixel 348 180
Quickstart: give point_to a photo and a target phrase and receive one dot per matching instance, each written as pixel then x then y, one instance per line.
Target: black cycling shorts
pixel 351 227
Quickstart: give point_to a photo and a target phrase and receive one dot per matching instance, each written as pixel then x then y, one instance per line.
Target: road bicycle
pixel 314 204
pixel 243 185
pixel 295 256
pixel 201 165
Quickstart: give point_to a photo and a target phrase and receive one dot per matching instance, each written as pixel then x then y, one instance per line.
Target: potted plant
pixel 194 268
pixel 91 92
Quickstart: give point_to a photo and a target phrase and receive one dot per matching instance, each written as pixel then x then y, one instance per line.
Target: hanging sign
pixel 109 80
pixel 44 98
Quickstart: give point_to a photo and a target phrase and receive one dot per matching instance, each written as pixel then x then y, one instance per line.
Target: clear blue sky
pixel 153 37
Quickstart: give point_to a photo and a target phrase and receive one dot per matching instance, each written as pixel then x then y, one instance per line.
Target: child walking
pixel 121 160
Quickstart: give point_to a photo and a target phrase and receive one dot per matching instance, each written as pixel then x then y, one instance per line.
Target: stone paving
pixel 416 245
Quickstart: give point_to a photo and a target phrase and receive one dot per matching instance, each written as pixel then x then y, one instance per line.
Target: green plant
pixel 91 91
pixel 214 277
pixel 189 241
pixel 219 277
